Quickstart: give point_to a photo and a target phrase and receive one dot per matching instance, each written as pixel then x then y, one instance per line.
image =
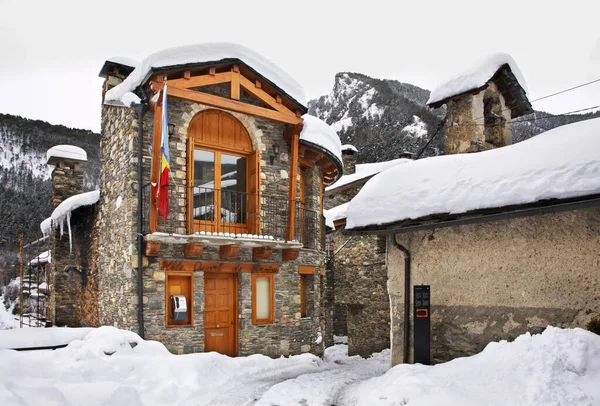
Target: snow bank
pixel 560 163
pixel 204 53
pixel 363 171
pixel 41 337
pixel 475 77
pixel 320 133
pixel 66 151
pixel 557 367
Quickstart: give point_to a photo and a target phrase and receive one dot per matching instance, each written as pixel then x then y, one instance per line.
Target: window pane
pixel 233 189
pixel 263 298
pixel 204 184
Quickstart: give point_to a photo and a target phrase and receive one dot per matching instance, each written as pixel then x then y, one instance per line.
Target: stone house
pixel 238 265
pixel 357 286
pixel 507 239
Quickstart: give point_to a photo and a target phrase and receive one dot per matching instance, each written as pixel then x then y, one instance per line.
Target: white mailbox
pixel 178 307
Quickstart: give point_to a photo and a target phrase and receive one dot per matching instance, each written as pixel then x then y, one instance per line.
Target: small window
pixel 179 284
pixel 262 298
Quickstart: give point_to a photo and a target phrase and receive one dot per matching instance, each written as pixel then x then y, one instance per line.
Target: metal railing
pixel 231 212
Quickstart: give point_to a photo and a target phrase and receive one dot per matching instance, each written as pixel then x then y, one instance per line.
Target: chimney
pixel 67 175
pixel 349 155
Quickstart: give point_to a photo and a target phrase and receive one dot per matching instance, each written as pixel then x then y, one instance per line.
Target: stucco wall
pixel 497 280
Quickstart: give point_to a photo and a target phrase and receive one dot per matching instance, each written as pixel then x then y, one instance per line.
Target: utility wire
pixel 431 139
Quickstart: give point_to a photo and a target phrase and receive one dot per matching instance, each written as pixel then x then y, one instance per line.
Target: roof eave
pixel 329 154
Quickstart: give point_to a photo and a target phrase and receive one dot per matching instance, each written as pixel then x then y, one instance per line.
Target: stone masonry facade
pixel 360 300
pixel 117 251
pixel 494 281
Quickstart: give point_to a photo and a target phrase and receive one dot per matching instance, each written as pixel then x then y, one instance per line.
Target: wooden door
pixel 220 313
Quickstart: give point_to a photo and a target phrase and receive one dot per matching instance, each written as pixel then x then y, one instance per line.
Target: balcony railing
pixel 229 212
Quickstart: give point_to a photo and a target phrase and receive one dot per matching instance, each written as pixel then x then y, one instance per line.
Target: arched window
pixel 223 175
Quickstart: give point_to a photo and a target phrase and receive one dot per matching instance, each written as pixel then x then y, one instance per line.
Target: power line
pixel 431 139
pixel 566 90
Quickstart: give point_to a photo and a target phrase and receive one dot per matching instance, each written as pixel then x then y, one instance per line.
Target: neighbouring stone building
pixel 506 239
pixel 238 264
pixel 357 285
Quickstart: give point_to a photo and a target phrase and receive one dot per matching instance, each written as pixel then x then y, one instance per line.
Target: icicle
pixel 70 236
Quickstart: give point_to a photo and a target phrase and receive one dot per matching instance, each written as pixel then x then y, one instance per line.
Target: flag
pixel 162 194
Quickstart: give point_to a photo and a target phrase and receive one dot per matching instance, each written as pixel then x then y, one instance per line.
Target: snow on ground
pixel 476 76
pixel 557 367
pixel 560 163
pixel 107 366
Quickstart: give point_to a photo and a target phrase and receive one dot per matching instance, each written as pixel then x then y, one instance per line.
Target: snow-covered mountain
pixel 383 118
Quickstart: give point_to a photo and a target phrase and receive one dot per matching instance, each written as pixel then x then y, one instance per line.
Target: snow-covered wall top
pixel 365 170
pixel 204 53
pixel 349 147
pixel 63 210
pixel 475 77
pixel 560 163
pixel 66 151
pixel 320 133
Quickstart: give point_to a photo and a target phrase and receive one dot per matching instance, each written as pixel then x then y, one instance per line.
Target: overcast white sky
pixel 51 51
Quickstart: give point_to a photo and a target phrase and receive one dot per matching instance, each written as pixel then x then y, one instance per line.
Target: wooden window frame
pixel 271 318
pixel 169 323
pixel 304 270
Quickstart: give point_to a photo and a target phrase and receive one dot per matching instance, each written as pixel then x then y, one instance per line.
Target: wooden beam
pixel 229 251
pixel 258 84
pixel 294 141
pixel 215 266
pixel 235 85
pixel 199 81
pixel 233 105
pixel 307 270
pixel 236 68
pixel 305 163
pixel 264 96
pixel 289 254
pixel 187 74
pixel 152 248
pixel 261 253
pixel 212 70
pixel 278 99
pixel 192 250
pixel 154 173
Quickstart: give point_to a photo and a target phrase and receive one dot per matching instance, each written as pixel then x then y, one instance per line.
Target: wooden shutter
pixel 254 191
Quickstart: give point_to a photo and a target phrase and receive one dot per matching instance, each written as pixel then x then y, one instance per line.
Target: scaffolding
pixel 35 258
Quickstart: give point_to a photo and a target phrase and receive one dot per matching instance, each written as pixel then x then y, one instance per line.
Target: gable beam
pixel 233 105
pixel 199 81
pixel 235 82
pixel 257 91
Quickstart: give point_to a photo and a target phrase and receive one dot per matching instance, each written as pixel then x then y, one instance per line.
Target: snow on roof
pixel 328 220
pixel 475 77
pixel 122 60
pixel 338 212
pixel 320 133
pixel 349 147
pixel 43 258
pixel 560 163
pixel 66 151
pixel 204 53
pixel 363 171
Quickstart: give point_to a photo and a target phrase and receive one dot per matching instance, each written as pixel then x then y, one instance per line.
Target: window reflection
pixel 233 189
pixel 204 184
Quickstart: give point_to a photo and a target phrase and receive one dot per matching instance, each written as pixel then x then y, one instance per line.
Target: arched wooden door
pixel 223 175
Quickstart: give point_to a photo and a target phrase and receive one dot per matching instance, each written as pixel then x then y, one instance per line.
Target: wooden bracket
pixel 152 248
pixel 212 70
pixel 236 68
pixel 290 254
pixel 192 250
pixel 229 251
pixel 261 253
pixel 258 84
pixel 186 74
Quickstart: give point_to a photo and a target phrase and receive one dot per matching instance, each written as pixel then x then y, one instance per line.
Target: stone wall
pixel 468 130
pixel 497 280
pixel 117 219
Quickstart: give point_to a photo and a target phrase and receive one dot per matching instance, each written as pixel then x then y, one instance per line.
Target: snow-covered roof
pixel 475 77
pixel 66 151
pixel 42 258
pixel 122 60
pixel 349 147
pixel 318 132
pixel 63 210
pixel 363 171
pixel 206 53
pixel 336 213
pixel 560 163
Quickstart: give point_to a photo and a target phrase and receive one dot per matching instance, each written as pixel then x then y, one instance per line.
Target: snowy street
pixel 100 367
